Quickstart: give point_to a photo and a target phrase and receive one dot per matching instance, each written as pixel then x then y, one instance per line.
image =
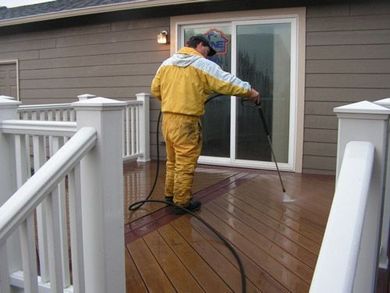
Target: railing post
pixel 102 196
pixel 366 121
pixel 8 110
pixel 383 258
pixel 144 134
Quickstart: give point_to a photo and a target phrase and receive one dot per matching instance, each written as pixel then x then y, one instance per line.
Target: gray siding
pixel 347 60
pixel 115 60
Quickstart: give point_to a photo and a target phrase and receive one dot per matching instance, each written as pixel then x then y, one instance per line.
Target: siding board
pixel 100 49
pixel 91 71
pixel 93 82
pixel 108 59
pixel 366 37
pixel 348 66
pixel 328 11
pixel 367 22
pixel 31 96
pixel 320 149
pixel 321 108
pixel 347 52
pixel 320 122
pixel 319 163
pixel 110 37
pixel 378 81
pixel 321 135
pixel 31 45
pixel 346 95
pixel 370 8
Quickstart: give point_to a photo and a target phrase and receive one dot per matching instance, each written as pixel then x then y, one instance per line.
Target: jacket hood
pixel 185 57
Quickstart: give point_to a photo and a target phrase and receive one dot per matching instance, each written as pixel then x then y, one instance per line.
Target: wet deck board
pixel 278 242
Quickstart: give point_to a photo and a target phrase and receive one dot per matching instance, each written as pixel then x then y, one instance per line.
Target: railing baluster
pixel 53 244
pixel 41 221
pixel 28 249
pixel 65 116
pixel 127 137
pixel 76 232
pixel 27 228
pixel 63 231
pixel 4 274
pixel 72 115
pixel 137 128
pixel 132 131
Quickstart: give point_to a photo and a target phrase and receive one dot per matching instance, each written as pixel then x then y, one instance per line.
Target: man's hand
pixel 254 96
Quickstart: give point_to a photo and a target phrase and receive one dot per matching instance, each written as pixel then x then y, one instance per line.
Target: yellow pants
pixel 183 139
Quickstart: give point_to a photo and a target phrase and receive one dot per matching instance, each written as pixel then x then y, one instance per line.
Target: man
pixel 182 84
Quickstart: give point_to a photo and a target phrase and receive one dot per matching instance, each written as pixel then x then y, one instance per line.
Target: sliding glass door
pixel 262 53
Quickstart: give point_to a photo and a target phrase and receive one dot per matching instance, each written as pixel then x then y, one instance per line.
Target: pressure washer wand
pixel 261 113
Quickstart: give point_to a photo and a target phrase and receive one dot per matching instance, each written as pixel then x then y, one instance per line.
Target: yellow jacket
pixel 184 81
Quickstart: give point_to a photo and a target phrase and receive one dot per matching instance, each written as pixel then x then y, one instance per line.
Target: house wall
pixel 115 59
pixel 347 60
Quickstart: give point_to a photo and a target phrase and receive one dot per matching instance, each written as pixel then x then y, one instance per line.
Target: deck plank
pixel 258 276
pixel 251 198
pixel 201 271
pixel 276 252
pixel 281 228
pixel 134 282
pixel 179 276
pixel 276 269
pixel 272 236
pixel 148 267
pixel 221 265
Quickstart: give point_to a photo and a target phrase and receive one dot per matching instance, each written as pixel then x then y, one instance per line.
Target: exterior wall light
pixel 162 37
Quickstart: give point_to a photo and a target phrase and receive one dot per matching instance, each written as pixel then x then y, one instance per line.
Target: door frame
pixel 298 16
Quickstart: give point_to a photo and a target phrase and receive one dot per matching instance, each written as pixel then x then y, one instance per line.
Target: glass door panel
pixel 263 57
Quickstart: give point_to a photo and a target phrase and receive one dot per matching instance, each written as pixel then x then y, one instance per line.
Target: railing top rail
pixel 45 107
pixel 337 261
pixel 24 200
pixel 35 127
pixel 134 103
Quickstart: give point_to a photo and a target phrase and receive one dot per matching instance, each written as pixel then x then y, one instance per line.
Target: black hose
pixel 219 235
pixel 136 205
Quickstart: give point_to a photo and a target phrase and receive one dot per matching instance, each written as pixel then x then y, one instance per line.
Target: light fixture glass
pixel 162 37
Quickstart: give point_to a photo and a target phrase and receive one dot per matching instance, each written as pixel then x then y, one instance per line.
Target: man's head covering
pixel 195 40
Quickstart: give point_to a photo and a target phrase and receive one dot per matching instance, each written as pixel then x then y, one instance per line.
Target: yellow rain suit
pixel 182 84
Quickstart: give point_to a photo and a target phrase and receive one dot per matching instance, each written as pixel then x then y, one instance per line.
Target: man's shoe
pixel 168 199
pixel 192 207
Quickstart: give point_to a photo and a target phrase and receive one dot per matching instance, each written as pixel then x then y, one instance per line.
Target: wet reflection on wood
pixel 277 241
pixel 139 178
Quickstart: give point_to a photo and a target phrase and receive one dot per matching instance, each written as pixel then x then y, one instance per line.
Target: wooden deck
pixel 278 242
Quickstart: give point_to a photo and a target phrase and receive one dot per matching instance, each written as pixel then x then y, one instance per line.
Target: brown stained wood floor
pixel 278 242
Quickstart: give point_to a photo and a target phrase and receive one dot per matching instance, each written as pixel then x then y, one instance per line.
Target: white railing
pixel 69 211
pixel 135 125
pixel 350 257
pixel 340 251
pixel 49 112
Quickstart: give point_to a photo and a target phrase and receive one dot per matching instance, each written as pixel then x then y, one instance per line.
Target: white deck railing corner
pixel 95 190
pixel 348 260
